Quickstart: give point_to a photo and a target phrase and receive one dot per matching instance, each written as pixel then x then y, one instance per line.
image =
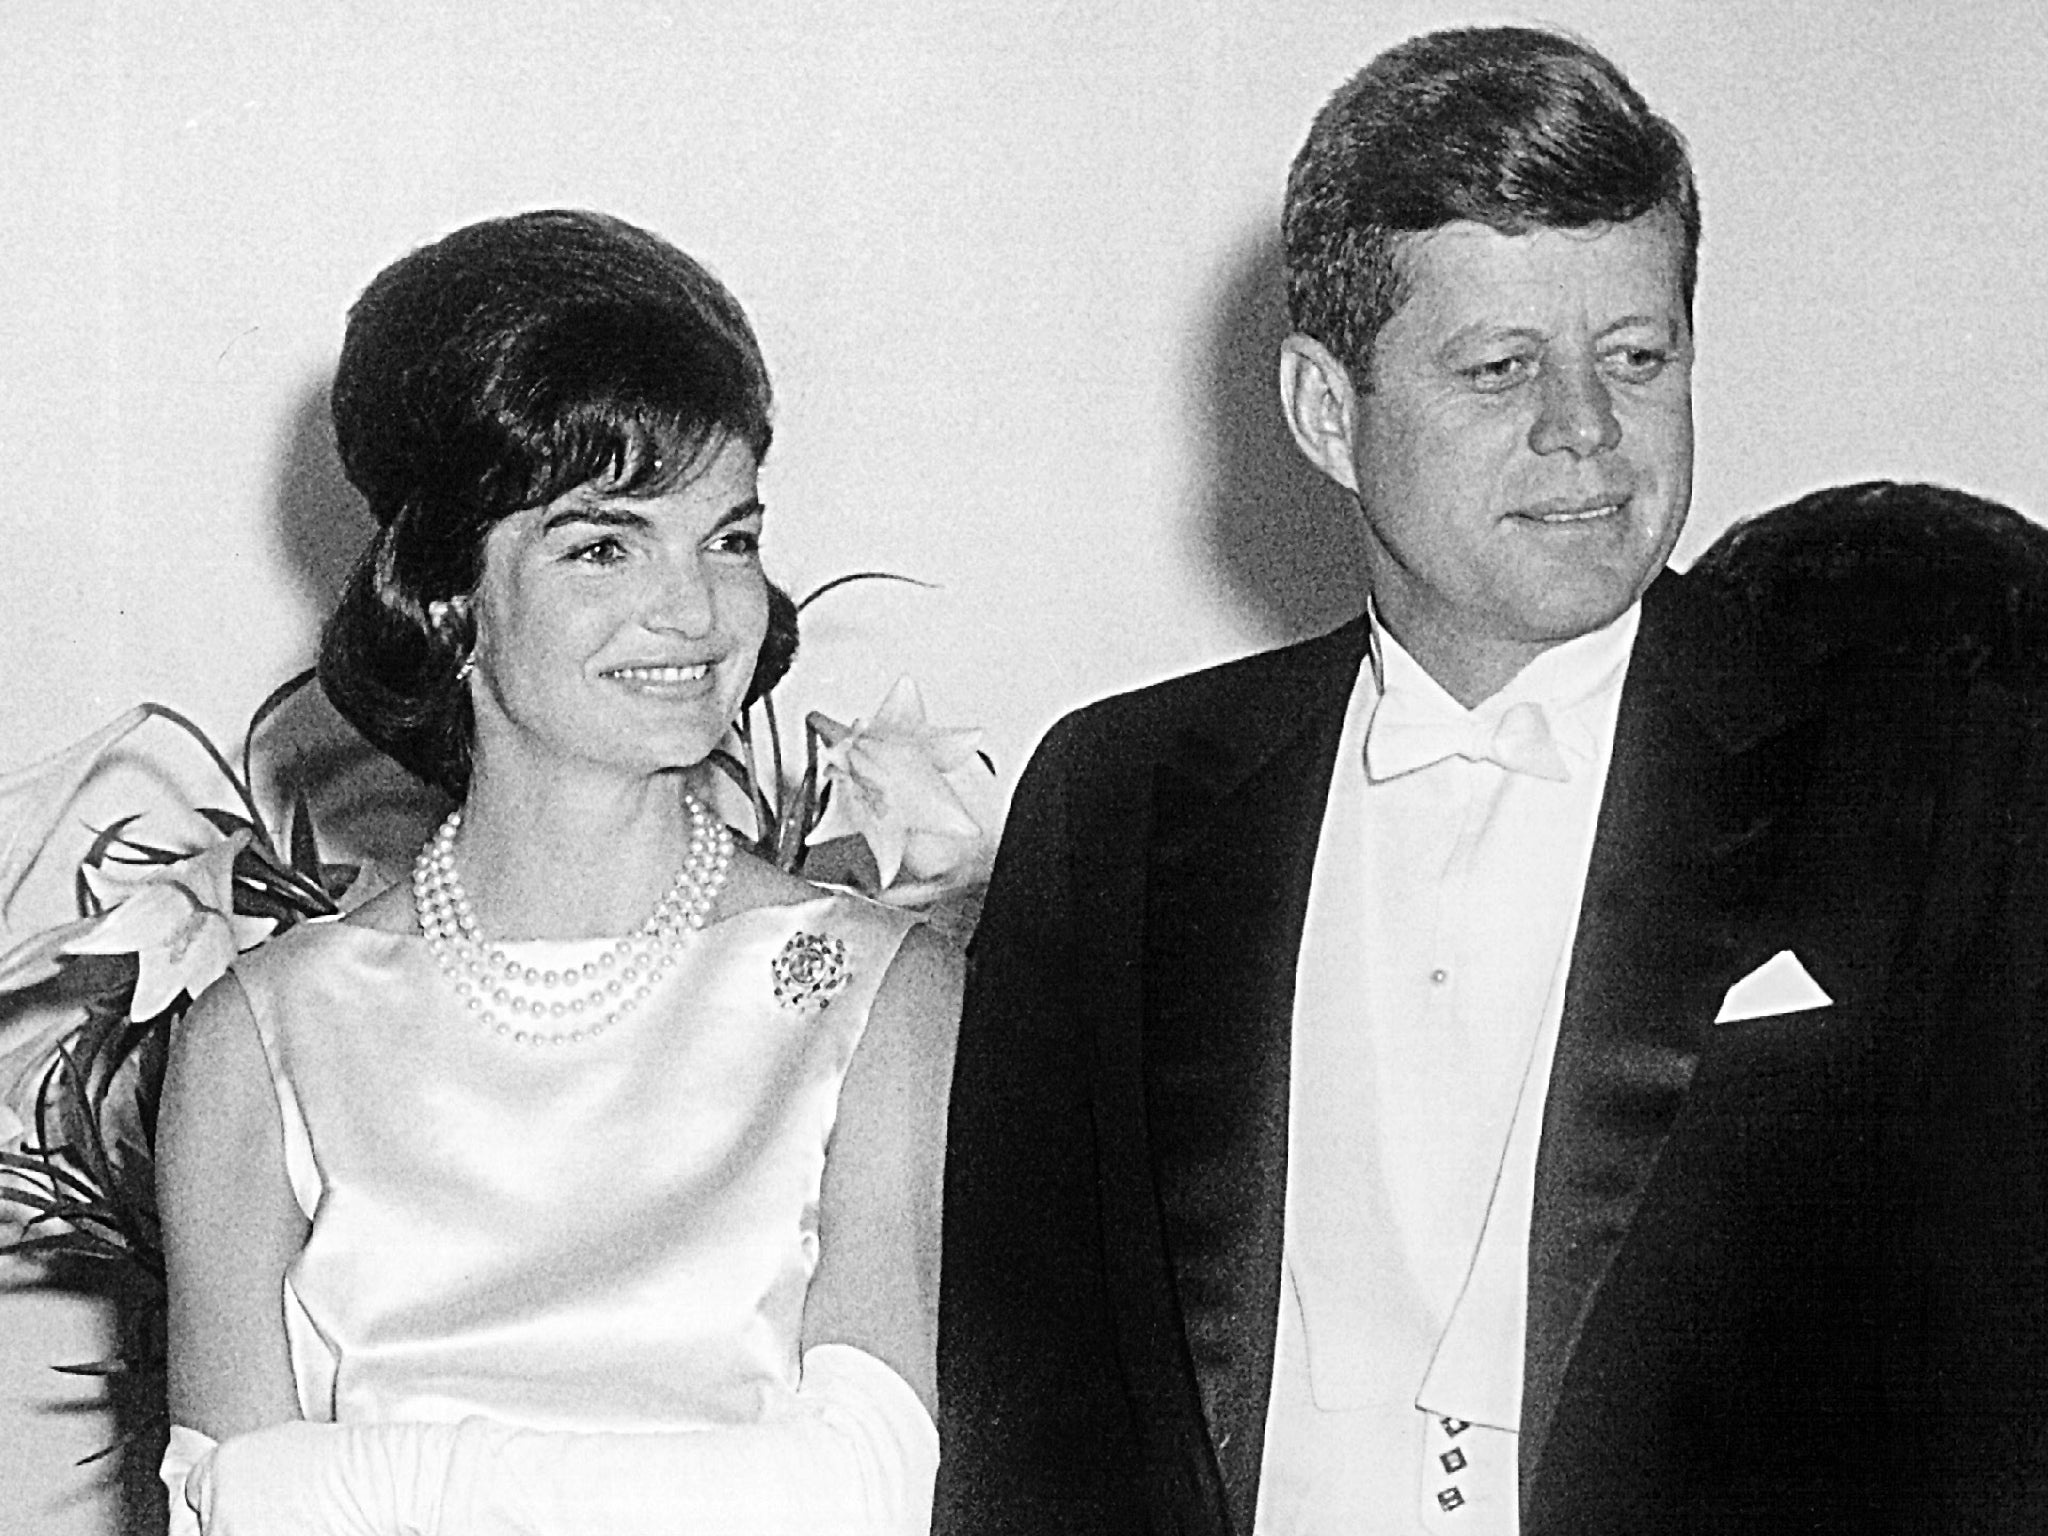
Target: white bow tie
pixel 1406 734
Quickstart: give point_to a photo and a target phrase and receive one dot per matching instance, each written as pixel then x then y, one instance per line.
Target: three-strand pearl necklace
pixel 534 1006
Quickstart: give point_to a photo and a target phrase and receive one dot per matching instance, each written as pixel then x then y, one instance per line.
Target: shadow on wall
pixel 321 522
pixel 367 809
pixel 1283 540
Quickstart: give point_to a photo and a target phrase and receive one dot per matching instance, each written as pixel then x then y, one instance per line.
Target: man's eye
pixel 1638 364
pixel 1497 373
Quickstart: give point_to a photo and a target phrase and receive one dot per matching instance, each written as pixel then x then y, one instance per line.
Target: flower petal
pixel 35 959
pixel 33 799
pixel 191 961
pixel 210 874
pixel 145 920
pixel 898 781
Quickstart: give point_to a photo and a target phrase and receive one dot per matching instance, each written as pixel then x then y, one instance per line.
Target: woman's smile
pixel 621 630
pixel 659 676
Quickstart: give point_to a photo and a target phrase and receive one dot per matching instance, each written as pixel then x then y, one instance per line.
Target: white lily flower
pixel 178 920
pixel 905 786
pixel 33 799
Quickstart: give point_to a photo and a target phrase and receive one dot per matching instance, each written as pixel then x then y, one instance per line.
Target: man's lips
pixel 1578 510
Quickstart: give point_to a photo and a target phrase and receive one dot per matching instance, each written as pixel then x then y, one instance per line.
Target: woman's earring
pixel 468 666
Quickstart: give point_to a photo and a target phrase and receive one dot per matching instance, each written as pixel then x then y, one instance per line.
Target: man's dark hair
pixel 1509 127
pixel 492 371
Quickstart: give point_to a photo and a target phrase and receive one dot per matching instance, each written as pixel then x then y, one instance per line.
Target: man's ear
pixel 1321 407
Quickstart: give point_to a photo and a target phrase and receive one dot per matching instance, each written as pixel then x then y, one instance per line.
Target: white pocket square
pixel 1779 985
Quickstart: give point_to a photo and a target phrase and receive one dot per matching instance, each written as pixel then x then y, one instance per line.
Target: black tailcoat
pixel 1786 1274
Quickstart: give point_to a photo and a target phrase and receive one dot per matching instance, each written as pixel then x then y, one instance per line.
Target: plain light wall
pixel 1014 268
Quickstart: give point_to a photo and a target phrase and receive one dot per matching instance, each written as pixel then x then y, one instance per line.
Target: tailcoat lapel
pixel 1704 752
pixel 1694 881
pixel 1194 1208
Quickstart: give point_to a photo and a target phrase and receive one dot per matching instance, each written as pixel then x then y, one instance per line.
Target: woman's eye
pixel 605 551
pixel 738 541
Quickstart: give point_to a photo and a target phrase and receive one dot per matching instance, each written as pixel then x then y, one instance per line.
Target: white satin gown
pixel 610 1234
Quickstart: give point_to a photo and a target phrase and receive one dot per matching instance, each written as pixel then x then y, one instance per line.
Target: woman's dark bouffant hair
pixel 492 371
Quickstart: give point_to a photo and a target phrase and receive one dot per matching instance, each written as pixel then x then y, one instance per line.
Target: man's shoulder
pixel 1241 692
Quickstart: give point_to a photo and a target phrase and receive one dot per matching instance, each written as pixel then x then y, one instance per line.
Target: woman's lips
pixel 660 674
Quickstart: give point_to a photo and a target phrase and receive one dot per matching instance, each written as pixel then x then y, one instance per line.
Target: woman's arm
pixel 230 1223
pixel 877 1282
pixel 854 1454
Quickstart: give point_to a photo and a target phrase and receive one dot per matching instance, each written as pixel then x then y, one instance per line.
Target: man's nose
pixel 1575 413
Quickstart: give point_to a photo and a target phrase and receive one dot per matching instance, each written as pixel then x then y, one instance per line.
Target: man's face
pixel 1523 455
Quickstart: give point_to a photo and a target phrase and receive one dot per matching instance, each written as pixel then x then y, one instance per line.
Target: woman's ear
pixel 446 612
pixel 1321 407
pixel 455 631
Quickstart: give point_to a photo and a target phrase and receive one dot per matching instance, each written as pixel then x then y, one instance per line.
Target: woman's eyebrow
pixel 622 515
pixel 596 513
pixel 753 507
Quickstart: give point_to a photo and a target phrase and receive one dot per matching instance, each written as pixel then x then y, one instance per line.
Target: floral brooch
pixel 810 971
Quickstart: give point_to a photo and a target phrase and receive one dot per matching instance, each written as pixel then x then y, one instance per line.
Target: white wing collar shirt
pixel 1445 895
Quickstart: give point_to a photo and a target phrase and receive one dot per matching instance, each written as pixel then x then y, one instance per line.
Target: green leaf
pixel 111 1206
pixel 22 1162
pixel 853 576
pixel 736 772
pixel 253 900
pixel 275 700
pixel 748 776
pixel 227 823
pixel 33 800
pixel 776 769
pixel 105 1451
pixel 205 742
pixel 125 850
pixel 72 1245
pixel 40 956
pixel 258 867
pixel 765 815
pixel 108 836
pixel 305 849
pixel 41 1204
pixel 796 822
pixel 114 1367
pixel 59 1176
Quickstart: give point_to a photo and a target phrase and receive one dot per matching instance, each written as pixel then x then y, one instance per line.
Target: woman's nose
pixel 682 601
pixel 1575 413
